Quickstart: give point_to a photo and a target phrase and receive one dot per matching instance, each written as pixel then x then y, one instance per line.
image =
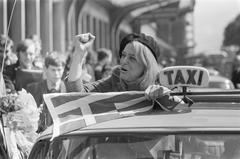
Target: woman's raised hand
pixel 156 91
pixel 82 42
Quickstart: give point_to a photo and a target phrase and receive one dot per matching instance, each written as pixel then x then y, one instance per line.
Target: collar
pixel 58 87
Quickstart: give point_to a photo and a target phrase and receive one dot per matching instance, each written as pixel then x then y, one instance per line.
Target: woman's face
pixel 131 67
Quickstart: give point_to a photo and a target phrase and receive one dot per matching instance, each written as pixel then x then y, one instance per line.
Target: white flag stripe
pixel 89 120
pixel 66 107
pixel 110 112
pixel 81 104
pixel 56 121
pixel 71 120
pixel 47 99
pixel 144 109
pixel 129 102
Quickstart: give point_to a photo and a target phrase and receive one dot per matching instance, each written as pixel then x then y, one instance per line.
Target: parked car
pixel 218 81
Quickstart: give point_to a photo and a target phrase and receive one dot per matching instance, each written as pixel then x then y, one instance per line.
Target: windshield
pixel 140 146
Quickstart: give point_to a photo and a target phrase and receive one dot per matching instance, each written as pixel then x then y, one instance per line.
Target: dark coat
pixel 15 79
pixel 37 89
pixel 236 77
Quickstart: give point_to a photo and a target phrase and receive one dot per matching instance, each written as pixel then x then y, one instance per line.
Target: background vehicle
pixel 217 81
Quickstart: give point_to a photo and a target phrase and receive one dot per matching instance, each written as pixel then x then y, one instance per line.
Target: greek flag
pixel 71 111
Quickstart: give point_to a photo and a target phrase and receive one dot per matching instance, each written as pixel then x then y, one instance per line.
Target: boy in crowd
pixel 52 83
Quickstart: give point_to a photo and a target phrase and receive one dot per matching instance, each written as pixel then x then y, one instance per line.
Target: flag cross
pixel 85 109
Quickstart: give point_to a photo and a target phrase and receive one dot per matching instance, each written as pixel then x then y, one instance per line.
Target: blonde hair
pixel 151 71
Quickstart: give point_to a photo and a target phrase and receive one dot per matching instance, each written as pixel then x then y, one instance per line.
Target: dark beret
pixel 142 38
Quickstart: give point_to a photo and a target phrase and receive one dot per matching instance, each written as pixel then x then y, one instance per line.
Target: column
pixel 46 26
pixel 3 17
pixel 59 26
pixel 17 25
pixel 32 17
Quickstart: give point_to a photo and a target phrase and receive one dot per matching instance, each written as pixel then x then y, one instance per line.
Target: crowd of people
pixel 27 64
pixel 80 69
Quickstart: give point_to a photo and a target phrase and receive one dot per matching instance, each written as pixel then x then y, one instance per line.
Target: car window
pixel 40 149
pixel 140 145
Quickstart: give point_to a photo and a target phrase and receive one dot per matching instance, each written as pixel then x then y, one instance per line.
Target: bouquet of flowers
pixel 19 116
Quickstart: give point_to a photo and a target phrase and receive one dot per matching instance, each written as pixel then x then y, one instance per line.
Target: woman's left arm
pixel 161 95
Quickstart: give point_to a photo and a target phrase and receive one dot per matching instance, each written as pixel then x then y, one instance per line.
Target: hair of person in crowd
pixel 54 59
pixel 103 66
pixel 24 45
pixel 38 43
pixel 89 65
pixel 104 55
pixel 6 46
pixel 5 40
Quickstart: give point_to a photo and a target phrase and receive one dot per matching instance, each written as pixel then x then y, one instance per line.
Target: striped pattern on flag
pixel 71 111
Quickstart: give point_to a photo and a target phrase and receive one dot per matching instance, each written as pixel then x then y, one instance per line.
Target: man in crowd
pixel 18 75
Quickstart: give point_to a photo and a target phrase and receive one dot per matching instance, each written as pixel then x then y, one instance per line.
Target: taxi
pixel 198 129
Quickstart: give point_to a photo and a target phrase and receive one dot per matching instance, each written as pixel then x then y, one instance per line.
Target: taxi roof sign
pixel 180 76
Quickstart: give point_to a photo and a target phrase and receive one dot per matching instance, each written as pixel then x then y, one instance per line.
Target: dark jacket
pixel 236 77
pixel 15 79
pixel 37 89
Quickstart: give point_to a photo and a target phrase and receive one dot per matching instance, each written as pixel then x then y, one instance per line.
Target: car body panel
pixel 179 120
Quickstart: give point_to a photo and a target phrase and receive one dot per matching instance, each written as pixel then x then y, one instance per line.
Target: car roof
pixel 201 118
pixel 194 119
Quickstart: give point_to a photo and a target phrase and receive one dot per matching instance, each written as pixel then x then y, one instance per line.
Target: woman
pixel 138 69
